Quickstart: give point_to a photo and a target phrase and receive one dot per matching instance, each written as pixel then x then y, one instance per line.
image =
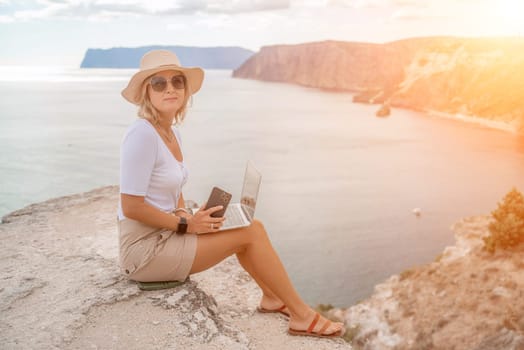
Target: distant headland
pixel 205 57
pixel 479 78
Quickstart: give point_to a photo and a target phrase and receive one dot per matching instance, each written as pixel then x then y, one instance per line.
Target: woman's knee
pixel 252 233
pixel 258 224
pixel 258 229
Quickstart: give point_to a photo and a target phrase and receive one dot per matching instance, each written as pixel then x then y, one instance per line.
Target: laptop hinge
pixel 246 212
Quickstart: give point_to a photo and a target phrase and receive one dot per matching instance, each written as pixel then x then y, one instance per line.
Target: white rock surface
pixel 61 289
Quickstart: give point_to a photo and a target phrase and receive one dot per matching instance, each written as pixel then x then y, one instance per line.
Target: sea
pixel 339 185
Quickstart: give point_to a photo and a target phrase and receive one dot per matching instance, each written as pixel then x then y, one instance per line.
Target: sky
pixel 58 32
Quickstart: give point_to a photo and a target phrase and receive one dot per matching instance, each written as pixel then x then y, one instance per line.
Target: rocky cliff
pixel 205 57
pixel 467 299
pixel 483 78
pixel 62 289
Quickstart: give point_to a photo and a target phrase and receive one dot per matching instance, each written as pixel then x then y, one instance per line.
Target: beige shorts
pixel 149 254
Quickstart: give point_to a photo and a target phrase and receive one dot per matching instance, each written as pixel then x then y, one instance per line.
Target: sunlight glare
pixel 512 10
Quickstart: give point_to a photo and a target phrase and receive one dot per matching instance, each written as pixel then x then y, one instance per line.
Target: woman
pixel 159 239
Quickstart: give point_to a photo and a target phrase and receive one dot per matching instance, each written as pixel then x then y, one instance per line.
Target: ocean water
pixel 339 185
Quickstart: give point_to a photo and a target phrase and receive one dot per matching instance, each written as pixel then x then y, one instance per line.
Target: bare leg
pixel 253 243
pixel 254 246
pixel 269 299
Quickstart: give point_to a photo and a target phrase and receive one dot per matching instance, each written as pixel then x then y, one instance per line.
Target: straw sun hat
pixel 156 61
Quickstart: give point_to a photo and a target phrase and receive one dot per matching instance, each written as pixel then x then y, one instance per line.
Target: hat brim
pixel 133 91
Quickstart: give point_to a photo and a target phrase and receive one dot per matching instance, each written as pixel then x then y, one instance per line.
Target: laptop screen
pixel 249 195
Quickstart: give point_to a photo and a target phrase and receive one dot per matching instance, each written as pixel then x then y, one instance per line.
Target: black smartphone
pixel 218 197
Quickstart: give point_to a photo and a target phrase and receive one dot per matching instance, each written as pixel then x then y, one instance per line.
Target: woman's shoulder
pixel 141 124
pixel 140 128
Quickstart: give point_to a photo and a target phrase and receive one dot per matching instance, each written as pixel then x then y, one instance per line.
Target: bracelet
pixel 182 209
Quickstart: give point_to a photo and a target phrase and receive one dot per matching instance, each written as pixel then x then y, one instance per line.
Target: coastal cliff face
pixel 328 65
pixel 473 77
pixel 467 299
pixel 62 289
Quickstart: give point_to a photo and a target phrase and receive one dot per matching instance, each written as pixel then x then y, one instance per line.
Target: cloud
pixel 383 3
pixel 224 6
pixel 411 3
pixel 55 1
pixel 410 10
pixel 71 9
pixel 103 9
pixel 6 19
pixel 414 14
pixel 309 3
pixel 359 4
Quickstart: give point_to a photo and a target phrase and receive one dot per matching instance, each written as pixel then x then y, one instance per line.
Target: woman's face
pixel 167 91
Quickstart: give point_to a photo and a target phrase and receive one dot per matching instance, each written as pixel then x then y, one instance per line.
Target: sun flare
pixel 512 10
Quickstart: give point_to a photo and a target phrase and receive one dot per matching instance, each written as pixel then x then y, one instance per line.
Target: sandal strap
pixel 324 327
pixel 281 308
pixel 313 323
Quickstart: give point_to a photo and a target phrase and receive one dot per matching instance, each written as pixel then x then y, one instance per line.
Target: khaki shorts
pixel 149 254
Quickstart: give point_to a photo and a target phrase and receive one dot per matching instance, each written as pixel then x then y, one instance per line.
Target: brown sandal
pixel 280 310
pixel 320 333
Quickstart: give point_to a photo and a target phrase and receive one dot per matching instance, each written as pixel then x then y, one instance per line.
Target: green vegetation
pixel 351 333
pixel 407 273
pixel 323 308
pixel 507 229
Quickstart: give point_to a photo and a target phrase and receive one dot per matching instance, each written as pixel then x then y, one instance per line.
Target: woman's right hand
pixel 203 222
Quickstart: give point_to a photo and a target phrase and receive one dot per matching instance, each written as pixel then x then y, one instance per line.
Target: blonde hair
pixel 146 109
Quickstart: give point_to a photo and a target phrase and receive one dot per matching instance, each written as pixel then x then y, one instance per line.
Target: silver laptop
pixel 241 214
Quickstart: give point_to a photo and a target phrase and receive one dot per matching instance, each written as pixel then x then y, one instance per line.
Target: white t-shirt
pixel 149 169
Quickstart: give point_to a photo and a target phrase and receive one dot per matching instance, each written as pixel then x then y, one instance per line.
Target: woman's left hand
pixel 203 222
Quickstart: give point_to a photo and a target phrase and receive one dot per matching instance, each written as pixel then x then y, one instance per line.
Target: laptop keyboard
pixel 233 217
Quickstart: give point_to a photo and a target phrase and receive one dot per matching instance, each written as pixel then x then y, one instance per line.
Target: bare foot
pixel 315 325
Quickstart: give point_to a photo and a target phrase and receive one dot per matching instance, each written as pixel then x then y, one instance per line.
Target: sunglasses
pixel 159 84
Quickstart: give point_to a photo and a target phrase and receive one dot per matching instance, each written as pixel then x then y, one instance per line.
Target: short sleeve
pixel 137 160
